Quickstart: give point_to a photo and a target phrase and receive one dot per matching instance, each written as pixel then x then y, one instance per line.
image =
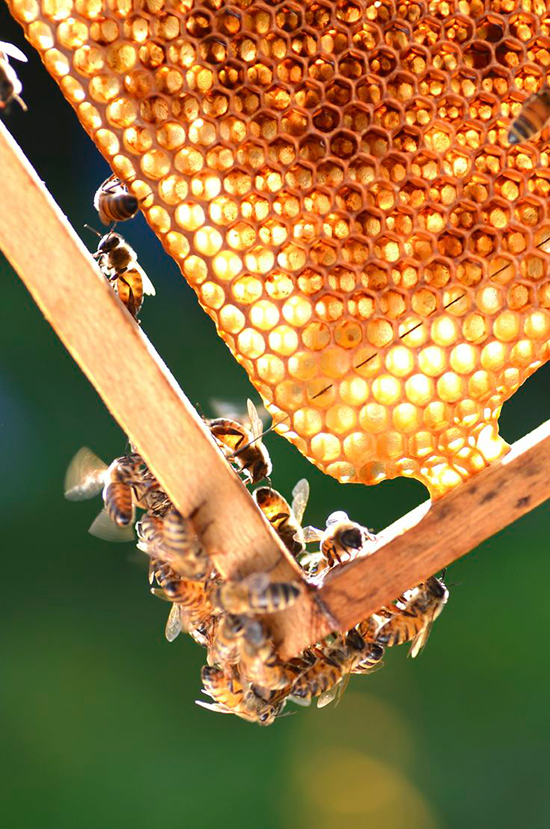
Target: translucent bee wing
pixel 256 425
pixel 256 581
pixel 106 529
pixel 419 642
pixel 313 534
pixel 304 703
pixel 148 287
pixel 212 706
pixel 12 51
pixel 160 594
pixel 328 696
pixel 85 476
pixel 174 624
pixel 300 497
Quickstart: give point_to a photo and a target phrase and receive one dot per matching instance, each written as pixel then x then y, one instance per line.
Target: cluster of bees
pixel 243 674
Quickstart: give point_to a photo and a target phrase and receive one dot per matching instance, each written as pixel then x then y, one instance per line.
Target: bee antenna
pixel 287 714
pixel 93 230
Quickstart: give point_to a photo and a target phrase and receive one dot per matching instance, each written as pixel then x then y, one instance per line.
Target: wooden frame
pixel 144 398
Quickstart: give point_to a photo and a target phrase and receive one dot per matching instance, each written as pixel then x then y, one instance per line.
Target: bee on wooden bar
pixel 413 618
pixel 334 665
pixel 225 647
pixel 243 446
pixel 10 85
pixel 534 116
pixel 260 664
pixel 114 202
pixel 286 520
pixel 196 609
pixel 255 594
pixel 88 475
pixel 230 697
pixel 118 264
pixel 342 538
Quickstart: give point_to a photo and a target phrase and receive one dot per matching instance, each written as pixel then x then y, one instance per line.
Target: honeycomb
pixel 335 181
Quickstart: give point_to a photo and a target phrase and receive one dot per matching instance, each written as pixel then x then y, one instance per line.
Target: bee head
pixel 109 242
pixel 437 587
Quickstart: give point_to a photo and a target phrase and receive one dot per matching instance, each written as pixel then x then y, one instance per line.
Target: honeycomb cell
pixel 335 181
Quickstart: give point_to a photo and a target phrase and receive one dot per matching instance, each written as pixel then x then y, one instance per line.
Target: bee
pixel 230 697
pixel 334 665
pixel 191 596
pixel 255 594
pixel 242 446
pixel 10 85
pixel 177 544
pixel 225 647
pixel 114 202
pixel 414 616
pixel 286 520
pixel 118 264
pixel 341 538
pixel 88 475
pixel 534 116
pixel 259 662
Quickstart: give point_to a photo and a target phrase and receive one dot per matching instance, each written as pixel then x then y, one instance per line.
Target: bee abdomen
pixel 398 630
pixel 118 503
pixel 117 207
pixel 276 596
pixel 323 676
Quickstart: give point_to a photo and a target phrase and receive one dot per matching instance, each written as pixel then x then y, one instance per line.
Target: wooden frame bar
pixel 146 401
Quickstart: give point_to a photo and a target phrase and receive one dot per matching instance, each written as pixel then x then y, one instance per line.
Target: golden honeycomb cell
pixel 335 181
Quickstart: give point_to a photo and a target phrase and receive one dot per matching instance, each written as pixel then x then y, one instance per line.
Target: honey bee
pixel 191 596
pixel 334 665
pixel 88 475
pixel 118 264
pixel 414 616
pixel 114 202
pixel 341 538
pixel 177 545
pixel 534 116
pixel 225 647
pixel 255 594
pixel 286 520
pixel 10 85
pixel 260 664
pixel 243 446
pixel 230 697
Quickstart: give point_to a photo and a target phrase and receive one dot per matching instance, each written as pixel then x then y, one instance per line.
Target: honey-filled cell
pixel 335 181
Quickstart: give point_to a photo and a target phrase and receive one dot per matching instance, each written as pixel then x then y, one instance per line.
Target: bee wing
pixel 85 476
pixel 226 409
pixel 328 696
pixel 419 642
pixel 213 706
pixel 256 425
pixel 174 624
pixel 148 287
pixel 313 534
pixel 257 581
pixel 12 51
pixel 160 594
pixel 106 529
pixel 300 497
pixel 304 703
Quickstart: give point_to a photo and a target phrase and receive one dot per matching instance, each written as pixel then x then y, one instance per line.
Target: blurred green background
pixel 98 717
